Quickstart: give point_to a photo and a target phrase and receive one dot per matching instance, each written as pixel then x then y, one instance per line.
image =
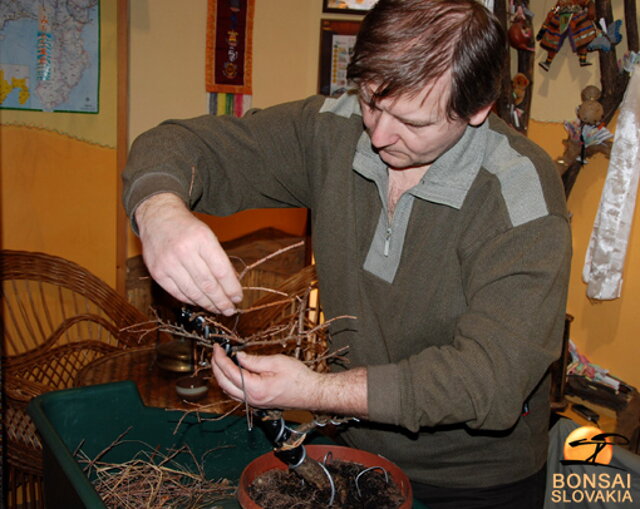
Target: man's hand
pixel 184 256
pixel 279 381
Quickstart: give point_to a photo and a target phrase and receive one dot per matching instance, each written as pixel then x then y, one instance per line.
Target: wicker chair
pixel 56 318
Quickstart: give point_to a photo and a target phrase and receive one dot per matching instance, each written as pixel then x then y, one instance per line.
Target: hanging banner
pixel 607 251
pixel 229 46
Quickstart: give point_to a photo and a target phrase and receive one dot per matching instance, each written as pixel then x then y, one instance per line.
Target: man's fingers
pixel 227 374
pixel 191 280
pixel 222 270
pixel 172 289
pixel 227 387
pixel 256 363
pixel 206 289
pixel 184 255
pixel 265 381
pixel 179 283
pixel 226 366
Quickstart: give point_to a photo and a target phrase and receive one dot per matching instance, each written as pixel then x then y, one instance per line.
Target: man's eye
pixel 366 105
pixel 373 109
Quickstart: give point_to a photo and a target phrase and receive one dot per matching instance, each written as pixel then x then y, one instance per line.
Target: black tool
pixel 287 447
pixel 278 433
pixel 586 412
pixel 194 321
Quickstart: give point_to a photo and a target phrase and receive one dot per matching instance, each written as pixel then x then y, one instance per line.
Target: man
pixel 443 231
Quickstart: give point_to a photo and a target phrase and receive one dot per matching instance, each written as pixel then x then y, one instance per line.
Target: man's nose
pixel 383 132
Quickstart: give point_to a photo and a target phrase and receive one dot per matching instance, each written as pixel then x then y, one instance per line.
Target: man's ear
pixel 480 116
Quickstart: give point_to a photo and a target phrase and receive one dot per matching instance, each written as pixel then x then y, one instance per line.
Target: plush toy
pixel 519 84
pixel 607 37
pixel 572 19
pixel 521 32
pixel 590 111
pixel 521 36
pixel 590 93
pixel 586 135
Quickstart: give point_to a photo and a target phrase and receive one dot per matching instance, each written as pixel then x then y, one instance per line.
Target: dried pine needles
pixel 152 479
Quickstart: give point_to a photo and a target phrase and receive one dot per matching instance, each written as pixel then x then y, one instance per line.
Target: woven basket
pixel 56 318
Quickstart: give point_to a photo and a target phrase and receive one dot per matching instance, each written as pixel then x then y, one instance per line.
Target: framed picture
pixel 347 6
pixel 337 39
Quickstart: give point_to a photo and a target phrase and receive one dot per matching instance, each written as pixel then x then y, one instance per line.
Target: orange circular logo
pixel 588 444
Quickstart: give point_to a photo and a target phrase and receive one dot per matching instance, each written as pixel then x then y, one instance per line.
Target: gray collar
pixel 448 180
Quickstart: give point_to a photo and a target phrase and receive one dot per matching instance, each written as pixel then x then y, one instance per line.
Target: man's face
pixel 413 130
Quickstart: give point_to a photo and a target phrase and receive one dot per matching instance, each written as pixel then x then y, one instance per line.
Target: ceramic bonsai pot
pixel 269 461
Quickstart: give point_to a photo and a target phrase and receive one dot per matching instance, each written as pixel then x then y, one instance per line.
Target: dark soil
pixel 283 489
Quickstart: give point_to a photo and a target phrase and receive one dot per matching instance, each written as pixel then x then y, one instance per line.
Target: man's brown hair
pixel 404 45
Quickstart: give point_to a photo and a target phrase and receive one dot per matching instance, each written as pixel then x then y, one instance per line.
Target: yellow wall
pixel 58 197
pixel 59 175
pixel 608 331
pixel 605 331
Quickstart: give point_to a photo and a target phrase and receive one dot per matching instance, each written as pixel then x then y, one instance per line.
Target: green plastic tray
pixel 93 417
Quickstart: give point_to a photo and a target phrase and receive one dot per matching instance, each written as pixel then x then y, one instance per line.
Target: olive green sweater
pixel 460 301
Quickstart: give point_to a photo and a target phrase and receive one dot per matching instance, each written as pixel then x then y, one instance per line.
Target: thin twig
pixel 268 257
pixel 286 325
pixel 204 408
pixel 264 289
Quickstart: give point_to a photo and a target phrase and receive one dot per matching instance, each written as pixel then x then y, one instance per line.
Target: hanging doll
pixel 587 135
pixel 572 19
pixel 520 32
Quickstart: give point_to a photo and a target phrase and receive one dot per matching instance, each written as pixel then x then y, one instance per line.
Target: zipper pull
pixel 387 241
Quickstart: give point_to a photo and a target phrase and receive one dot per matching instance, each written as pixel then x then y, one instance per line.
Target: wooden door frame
pixel 122 140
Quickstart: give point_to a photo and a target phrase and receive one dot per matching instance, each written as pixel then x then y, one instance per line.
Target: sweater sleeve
pixel 221 165
pixel 515 285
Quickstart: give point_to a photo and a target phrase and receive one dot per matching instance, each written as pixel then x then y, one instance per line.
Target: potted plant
pixel 372 481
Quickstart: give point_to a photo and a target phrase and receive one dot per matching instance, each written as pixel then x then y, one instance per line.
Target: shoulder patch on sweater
pixel 519 181
pixel 344 106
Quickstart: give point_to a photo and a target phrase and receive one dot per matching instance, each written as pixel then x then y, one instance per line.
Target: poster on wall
pixel 336 47
pixel 348 6
pixel 50 55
